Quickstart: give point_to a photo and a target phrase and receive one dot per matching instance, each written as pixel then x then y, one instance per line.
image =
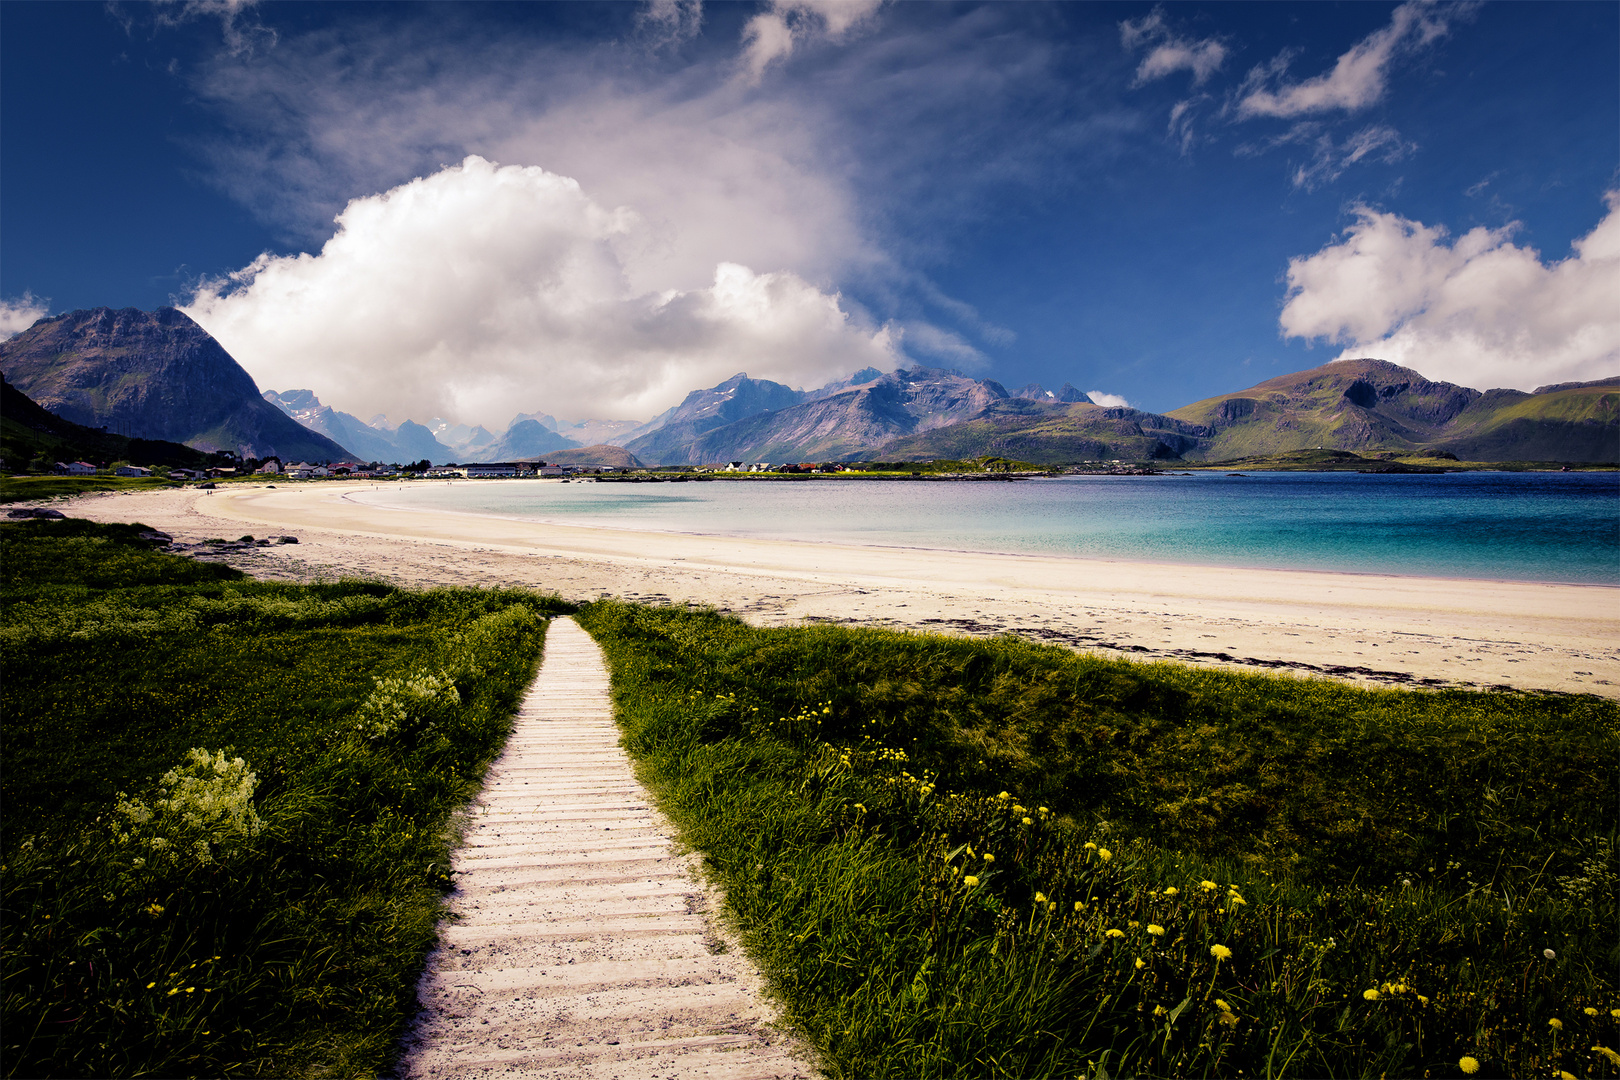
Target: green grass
pixel 278 929
pixel 39 488
pixel 845 785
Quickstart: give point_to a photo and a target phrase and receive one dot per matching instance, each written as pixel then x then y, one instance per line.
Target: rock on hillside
pixel 154 375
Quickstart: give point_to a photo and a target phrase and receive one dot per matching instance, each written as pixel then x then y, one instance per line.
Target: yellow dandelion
pixel 1052 906
pixel 1556 1024
pixel 1029 821
pixel 1229 1019
pixel 1160 1010
pixel 1422 999
pixel 1589 1011
pixel 1115 933
pixel 1220 952
pixel 1207 885
pixel 1370 995
pixel 1615 1013
pixel 1614 1058
pixel 1043 810
pixel 1040 898
pixel 1468 1065
pixel 1172 891
pixel 1079 905
pixel 1004 796
pixel 1140 963
pixel 150 985
pixel 1155 929
pixel 1236 900
pixel 1090 846
pixel 970 881
pixel 1104 854
pixel 1562 1075
pixel 989 857
pixel 1133 924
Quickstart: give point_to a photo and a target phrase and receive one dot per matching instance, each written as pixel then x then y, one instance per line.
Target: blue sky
pixel 590 209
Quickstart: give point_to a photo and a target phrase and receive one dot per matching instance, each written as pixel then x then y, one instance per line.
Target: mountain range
pixel 158 375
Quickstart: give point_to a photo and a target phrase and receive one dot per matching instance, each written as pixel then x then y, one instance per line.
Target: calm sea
pixel 1515 526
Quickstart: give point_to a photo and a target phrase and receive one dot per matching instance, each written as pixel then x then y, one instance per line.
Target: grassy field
pixel 39 488
pixel 228 804
pixel 970 858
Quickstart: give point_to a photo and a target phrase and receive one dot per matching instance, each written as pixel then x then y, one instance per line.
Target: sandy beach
pixel 1377 629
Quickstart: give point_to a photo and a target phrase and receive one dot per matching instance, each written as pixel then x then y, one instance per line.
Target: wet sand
pixel 1368 628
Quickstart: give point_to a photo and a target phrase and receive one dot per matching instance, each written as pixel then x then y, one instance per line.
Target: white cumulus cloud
pixel 1357 79
pixel 1107 401
pixel 19 314
pixel 484 289
pixel 1478 310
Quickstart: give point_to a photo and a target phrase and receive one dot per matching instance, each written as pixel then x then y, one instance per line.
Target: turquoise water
pixel 1513 526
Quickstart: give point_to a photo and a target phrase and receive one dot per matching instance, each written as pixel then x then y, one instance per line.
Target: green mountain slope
pixel 1049 433
pixel 1356 406
pixel 1577 423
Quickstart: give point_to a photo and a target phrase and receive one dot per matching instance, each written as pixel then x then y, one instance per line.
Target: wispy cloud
pixel 1377 142
pixel 1168 52
pixel 1479 310
pixel 1359 77
pixel 669 22
pixel 773 34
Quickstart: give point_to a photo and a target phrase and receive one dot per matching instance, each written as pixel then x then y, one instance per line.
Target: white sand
pixel 581 944
pixel 1385 629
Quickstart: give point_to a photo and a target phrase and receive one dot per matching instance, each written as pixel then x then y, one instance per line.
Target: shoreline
pixel 1388 630
pixel 1166 565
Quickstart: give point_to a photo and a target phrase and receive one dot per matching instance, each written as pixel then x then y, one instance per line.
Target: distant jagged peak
pixel 292 401
pixel 545 420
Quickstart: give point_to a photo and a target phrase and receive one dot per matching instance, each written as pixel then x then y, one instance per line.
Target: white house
pixel 76 468
pixel 493 469
pixel 131 470
pixel 270 468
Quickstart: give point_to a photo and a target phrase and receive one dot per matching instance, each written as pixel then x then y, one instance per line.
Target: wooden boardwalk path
pixel 582 948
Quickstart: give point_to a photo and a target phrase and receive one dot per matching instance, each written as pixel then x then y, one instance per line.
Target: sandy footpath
pixel 1384 629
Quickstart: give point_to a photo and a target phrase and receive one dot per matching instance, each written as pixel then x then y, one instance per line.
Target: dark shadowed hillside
pixel 153 375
